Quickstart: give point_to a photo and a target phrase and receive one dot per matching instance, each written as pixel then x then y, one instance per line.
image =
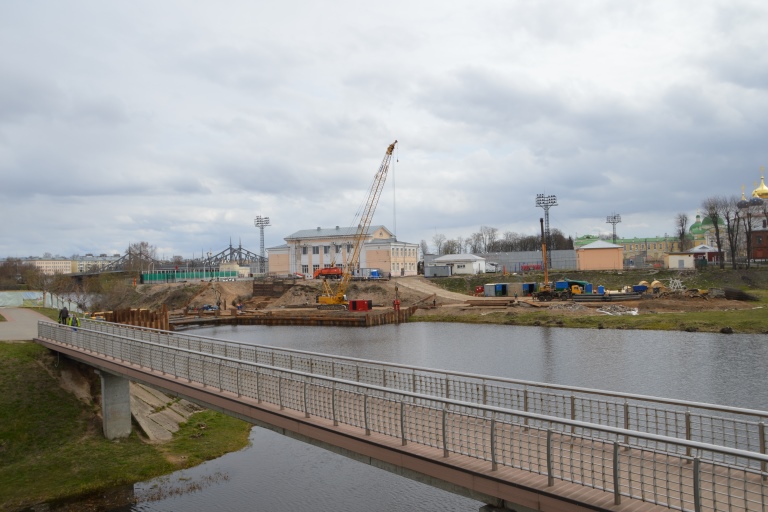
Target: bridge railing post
pixel 445 432
pixel 365 414
pixel 696 484
pixel 402 423
pixel 688 431
pixel 550 476
pixel 333 404
pixel 761 433
pixel 494 464
pixel 616 475
pixel 280 391
pixel 306 405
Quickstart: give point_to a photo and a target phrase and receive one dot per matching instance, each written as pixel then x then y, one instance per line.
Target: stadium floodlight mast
pixel 613 219
pixel 261 222
pixel 547 202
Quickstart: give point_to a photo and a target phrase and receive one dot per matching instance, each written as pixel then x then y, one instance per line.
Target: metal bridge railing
pixel 732 427
pixel 611 459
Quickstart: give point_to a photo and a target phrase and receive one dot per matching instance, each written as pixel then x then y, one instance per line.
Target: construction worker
pixel 73 321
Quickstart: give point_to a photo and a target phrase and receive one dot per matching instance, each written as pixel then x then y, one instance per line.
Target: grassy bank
pixel 751 321
pixel 52 445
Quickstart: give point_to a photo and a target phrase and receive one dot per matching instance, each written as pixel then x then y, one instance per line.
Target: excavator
pixel 334 296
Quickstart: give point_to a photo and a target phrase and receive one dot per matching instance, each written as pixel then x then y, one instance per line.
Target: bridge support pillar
pixel 115 405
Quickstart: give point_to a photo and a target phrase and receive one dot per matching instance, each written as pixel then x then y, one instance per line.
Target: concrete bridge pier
pixel 115 405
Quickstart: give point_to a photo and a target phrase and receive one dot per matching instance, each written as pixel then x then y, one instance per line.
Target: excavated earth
pixel 417 290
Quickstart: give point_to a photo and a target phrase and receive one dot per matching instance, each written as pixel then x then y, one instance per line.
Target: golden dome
pixel 762 190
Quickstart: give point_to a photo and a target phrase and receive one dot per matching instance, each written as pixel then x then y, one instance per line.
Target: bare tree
pixel 38 280
pixel 438 240
pixel 424 247
pixel 475 243
pixel 714 207
pixel 681 228
pixel 451 247
pixel 731 217
pixel 751 212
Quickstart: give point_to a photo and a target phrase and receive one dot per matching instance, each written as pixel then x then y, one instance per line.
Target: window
pixel 759 240
pixel 460 265
pixel 315 249
pixel 305 269
pixel 326 249
pixel 338 249
pixel 315 267
pixel 304 250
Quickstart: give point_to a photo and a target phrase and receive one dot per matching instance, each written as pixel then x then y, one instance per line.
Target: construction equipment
pixel 544 292
pixel 328 272
pixel 334 297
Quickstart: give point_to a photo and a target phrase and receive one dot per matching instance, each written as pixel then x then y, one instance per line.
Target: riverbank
pixel 52 446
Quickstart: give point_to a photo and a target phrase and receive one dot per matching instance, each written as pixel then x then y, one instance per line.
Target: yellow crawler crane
pixel 334 295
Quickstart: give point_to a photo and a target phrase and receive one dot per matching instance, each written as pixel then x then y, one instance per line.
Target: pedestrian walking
pixel 63 315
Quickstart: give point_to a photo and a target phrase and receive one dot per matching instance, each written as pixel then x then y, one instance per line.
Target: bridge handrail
pixel 710 423
pixel 497 435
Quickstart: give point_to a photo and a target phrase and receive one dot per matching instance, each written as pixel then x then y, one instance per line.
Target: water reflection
pixel 277 473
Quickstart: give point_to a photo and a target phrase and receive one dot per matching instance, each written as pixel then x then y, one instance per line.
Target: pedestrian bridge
pixel 513 444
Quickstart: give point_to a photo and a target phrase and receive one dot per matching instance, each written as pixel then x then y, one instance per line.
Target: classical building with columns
pixel 308 250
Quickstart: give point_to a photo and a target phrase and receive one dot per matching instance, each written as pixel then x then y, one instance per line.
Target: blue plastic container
pixel 601 290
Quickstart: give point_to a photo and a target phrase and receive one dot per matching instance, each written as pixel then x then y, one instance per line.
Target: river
pixel 279 474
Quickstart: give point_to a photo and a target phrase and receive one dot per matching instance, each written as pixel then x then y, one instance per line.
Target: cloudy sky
pixel 177 123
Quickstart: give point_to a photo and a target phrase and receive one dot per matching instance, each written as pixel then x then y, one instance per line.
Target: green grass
pixel 52 446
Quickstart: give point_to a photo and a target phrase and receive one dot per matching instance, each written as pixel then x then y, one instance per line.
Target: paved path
pixel 20 324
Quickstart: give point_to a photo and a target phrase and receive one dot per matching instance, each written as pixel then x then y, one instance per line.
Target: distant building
pixel 461 263
pixel 308 250
pixel 600 255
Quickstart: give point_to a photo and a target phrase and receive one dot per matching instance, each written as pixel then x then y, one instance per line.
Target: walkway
pixel 496 454
pixel 20 324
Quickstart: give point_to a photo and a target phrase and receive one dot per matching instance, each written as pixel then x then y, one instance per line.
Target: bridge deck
pixel 488 452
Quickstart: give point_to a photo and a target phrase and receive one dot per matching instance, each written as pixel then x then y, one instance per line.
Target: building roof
pixel 601 244
pixel 331 232
pixel 702 248
pixel 458 257
pixel 762 190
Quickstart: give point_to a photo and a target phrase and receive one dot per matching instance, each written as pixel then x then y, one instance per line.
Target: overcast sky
pixel 177 123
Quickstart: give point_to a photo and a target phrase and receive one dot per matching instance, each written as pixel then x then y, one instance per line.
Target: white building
pixel 308 250
pixel 462 263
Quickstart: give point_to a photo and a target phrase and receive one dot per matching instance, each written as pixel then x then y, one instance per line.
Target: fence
pixel 675 473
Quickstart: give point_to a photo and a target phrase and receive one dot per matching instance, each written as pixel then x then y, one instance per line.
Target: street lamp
pixel 547 202
pixel 261 222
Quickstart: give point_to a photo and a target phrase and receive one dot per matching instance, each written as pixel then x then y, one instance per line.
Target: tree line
pixel 733 220
pixel 488 240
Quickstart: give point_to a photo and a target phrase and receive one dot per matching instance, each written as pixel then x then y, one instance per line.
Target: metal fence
pixel 742 429
pixel 679 474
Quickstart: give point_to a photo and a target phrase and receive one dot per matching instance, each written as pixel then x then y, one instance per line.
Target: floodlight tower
pixel 547 202
pixel 261 222
pixel 613 219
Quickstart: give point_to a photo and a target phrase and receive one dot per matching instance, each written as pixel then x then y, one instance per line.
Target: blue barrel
pixel 601 290
pixel 588 288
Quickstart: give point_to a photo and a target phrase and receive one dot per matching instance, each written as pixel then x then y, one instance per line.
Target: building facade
pixel 308 250
pixel 600 255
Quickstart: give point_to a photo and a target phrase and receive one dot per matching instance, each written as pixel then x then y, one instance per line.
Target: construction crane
pixel 334 297
pixel 545 290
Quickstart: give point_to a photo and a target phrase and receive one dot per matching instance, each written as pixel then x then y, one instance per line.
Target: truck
pixel 328 273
